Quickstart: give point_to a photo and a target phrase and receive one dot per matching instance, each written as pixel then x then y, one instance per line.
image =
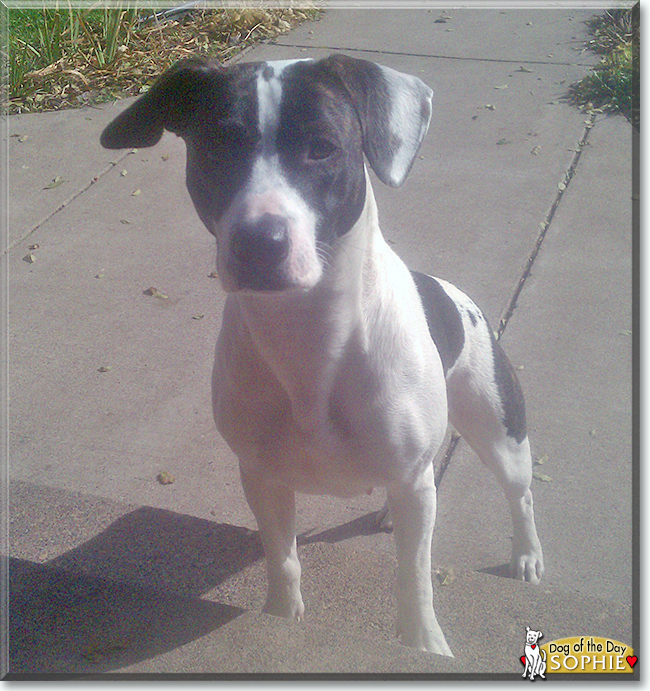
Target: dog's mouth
pixel 267 256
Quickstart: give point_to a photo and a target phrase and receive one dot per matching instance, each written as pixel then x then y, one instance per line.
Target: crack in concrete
pixel 434 56
pixel 511 305
pixel 66 202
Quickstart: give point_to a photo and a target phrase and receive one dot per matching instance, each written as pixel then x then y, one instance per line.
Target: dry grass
pixel 94 58
pixel 614 84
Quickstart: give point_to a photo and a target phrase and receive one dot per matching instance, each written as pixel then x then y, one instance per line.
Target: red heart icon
pixel 631 660
pixel 523 659
pixel 533 646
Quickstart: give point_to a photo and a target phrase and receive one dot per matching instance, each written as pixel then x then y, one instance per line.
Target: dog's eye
pixel 320 149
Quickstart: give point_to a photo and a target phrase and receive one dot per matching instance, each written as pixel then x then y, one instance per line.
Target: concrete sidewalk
pixel 89 516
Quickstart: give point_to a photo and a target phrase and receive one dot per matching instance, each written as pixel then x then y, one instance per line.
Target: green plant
pixel 614 83
pixel 65 56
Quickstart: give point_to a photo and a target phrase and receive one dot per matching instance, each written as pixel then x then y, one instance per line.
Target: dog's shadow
pixel 133 591
pixel 130 593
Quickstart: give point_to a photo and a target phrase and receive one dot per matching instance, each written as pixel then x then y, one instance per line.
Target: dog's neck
pixel 302 335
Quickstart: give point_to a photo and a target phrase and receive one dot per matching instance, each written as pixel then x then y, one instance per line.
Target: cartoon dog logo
pixel 533 658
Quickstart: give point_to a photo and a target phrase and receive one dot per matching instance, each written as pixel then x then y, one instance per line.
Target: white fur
pixel 269 96
pixel 405 90
pixel 336 391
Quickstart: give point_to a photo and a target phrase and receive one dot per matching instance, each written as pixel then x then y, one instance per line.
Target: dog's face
pixel 532 636
pixel 275 154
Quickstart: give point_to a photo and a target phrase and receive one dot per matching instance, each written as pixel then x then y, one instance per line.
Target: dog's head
pixel 532 636
pixel 275 154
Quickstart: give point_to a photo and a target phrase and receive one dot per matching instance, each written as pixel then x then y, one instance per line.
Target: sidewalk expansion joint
pixel 562 187
pixel 434 56
pixel 67 202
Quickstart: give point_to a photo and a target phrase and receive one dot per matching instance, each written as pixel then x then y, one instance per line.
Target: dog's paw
pixel 384 519
pixel 426 641
pixel 528 567
pixel 422 633
pixel 285 607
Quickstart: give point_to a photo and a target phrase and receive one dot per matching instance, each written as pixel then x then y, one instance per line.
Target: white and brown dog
pixel 336 368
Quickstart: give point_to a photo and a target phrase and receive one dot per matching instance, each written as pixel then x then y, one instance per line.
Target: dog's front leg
pixel 413 512
pixel 274 510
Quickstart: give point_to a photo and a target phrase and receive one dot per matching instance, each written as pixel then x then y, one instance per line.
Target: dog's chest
pixel 338 420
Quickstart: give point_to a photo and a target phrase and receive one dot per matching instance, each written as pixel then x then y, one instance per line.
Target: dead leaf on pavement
pixel 154 292
pixel 541 477
pixel 445 575
pixel 164 477
pixel 58 180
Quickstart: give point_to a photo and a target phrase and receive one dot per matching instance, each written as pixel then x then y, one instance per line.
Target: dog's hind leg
pixel 274 510
pixel 486 406
pixel 413 511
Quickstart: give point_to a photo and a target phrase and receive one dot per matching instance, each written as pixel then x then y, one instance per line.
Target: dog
pixel 535 658
pixel 336 368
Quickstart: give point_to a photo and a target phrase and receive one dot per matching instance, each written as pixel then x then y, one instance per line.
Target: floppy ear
pixel 394 110
pixel 169 104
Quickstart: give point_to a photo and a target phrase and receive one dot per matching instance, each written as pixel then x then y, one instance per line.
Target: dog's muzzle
pixel 258 251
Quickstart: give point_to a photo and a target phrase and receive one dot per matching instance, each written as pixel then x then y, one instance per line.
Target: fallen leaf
pixel 523 69
pixel 33 247
pixel 489 106
pixel 561 186
pixel 503 86
pixel 100 275
pixel 154 292
pixel 625 332
pixel 124 173
pixel 593 432
pixel 104 368
pixel 536 150
pixel 213 274
pixel 503 141
pixel 136 193
pixel 541 461
pixel 445 575
pixel 198 316
pixel 165 157
pixel 164 477
pixel 541 477
pixel 58 180
pixel 29 258
pixel 23 138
